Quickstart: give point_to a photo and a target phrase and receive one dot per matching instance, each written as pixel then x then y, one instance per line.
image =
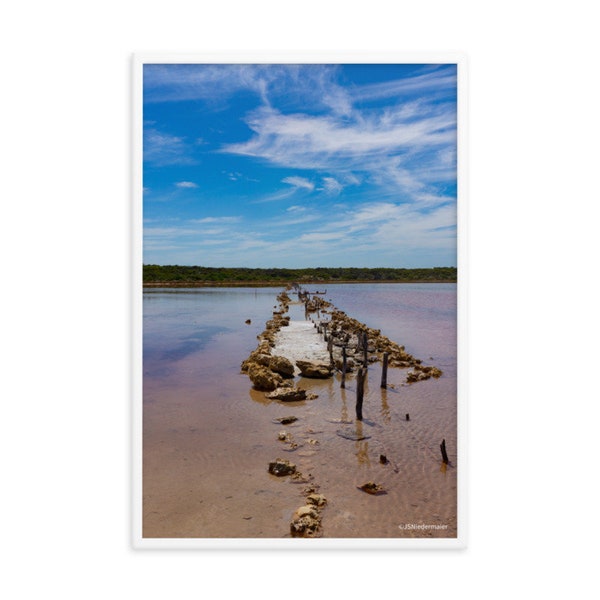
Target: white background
pixel 532 337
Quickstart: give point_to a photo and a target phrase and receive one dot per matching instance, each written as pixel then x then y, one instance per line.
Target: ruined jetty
pixel 325 342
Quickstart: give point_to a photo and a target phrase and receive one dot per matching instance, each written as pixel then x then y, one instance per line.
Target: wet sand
pixel 206 453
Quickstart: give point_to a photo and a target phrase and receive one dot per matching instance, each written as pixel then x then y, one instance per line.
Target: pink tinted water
pixel 208 437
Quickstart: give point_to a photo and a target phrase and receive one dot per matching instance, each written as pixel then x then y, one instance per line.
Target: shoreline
pixel 258 284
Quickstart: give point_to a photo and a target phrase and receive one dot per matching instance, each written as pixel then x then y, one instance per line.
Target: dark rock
pixel 372 488
pixel 285 420
pixel 281 467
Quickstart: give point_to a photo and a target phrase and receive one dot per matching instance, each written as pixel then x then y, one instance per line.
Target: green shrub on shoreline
pixel 186 276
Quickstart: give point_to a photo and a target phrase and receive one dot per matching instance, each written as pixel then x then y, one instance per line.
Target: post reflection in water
pixel 362 446
pixel 344 416
pixel 385 408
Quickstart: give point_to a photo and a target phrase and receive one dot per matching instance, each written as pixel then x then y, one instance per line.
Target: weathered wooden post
pixel 330 350
pixel 407 417
pixel 324 332
pixel 443 449
pixel 360 390
pixel 366 349
pixel 384 370
pixel 343 384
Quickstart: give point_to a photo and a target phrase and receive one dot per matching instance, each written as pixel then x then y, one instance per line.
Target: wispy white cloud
pixel 331 185
pixel 324 142
pixel 167 83
pixel 214 83
pixel 388 226
pixel 351 179
pixel 276 196
pixel 217 220
pixel 439 80
pixel 294 216
pixel 162 149
pixel 300 182
pixel 186 184
pixel 389 231
pixel 320 237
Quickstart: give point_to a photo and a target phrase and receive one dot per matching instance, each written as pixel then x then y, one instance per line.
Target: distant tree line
pixel 175 274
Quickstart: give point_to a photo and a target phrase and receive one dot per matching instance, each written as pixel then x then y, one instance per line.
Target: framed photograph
pixel 298 301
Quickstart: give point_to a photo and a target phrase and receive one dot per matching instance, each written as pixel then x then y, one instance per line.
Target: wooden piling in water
pixel 360 390
pixel 384 370
pixel 366 349
pixel 443 449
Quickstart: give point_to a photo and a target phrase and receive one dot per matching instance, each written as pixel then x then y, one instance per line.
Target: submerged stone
pixel 352 434
pixel 285 420
pixel 287 394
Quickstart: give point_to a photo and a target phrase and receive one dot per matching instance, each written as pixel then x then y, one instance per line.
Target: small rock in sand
pixel 372 488
pixel 281 467
pixel 316 499
pixel 305 522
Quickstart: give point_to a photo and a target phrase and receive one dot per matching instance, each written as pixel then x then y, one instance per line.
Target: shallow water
pixel 208 437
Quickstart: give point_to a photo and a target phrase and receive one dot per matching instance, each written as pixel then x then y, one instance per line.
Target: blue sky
pixel 294 166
